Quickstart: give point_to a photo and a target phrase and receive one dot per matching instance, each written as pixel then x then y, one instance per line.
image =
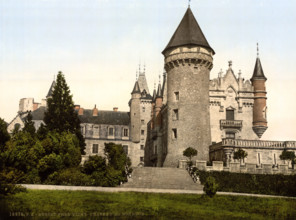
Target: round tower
pixel 259 109
pixel 135 116
pixel 188 62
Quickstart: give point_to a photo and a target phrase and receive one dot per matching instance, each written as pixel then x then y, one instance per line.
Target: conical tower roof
pixel 188 33
pixel 50 91
pixel 258 71
pixel 159 92
pixel 154 94
pixel 136 88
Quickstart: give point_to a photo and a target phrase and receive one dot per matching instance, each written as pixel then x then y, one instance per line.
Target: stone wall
pixel 252 168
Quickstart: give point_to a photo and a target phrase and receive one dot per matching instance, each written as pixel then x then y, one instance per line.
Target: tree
pixel 190 152
pixel 210 187
pixel 240 155
pixel 4 136
pixel 29 125
pixel 60 115
pixel 288 155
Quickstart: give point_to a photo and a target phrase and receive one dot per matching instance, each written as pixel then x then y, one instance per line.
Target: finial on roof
pixel 188 3
pixel 257 50
pixel 54 77
pixel 159 76
pixel 239 74
pixel 220 73
pixel 144 67
pixel 230 63
pixel 95 105
pixel 136 75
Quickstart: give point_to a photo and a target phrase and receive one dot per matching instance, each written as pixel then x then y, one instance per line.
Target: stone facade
pixel 231 106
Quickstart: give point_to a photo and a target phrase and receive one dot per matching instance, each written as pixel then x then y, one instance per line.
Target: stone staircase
pixel 161 178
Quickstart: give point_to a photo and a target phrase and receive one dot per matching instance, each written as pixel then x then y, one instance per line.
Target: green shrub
pixel 210 187
pixel 70 176
pixel 277 184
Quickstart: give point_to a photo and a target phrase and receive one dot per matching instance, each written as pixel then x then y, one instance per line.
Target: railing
pixel 257 143
pixel 231 124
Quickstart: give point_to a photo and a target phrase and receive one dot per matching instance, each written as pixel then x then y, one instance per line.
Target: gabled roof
pixel 136 88
pixel 188 33
pixel 38 114
pixel 104 117
pixel 258 71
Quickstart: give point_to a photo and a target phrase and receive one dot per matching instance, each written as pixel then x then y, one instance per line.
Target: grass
pixel 126 205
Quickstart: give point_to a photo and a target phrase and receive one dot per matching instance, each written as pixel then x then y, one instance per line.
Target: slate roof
pixel 50 91
pixel 104 117
pixel 159 91
pixel 258 71
pixel 38 114
pixel 143 83
pixel 136 88
pixel 188 33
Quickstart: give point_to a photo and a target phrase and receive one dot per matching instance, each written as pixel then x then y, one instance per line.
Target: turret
pixel 259 109
pixel 188 61
pixel 152 107
pixel 158 105
pixel 135 113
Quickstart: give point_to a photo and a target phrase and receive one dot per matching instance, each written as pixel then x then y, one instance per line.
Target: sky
pixel 99 44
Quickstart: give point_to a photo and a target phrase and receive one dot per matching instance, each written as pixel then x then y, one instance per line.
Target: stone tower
pixel 188 61
pixel 259 109
pixel 135 105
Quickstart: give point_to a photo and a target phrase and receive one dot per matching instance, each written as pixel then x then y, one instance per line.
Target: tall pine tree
pixel 60 114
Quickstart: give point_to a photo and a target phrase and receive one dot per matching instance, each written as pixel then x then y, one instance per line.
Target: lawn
pixel 125 205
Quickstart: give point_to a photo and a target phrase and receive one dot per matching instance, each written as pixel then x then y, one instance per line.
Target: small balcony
pixel 231 124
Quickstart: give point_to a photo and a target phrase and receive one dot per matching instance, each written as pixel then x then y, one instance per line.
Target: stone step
pixel 161 178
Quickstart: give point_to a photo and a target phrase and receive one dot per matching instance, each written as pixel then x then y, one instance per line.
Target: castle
pixel 216 117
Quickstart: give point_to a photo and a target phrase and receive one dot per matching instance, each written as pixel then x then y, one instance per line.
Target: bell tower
pixel 188 62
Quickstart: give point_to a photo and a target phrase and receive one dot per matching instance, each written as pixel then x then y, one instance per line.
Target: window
pixel 142 122
pixel 176 96
pixel 155 149
pixel 125 132
pixel 142 147
pixel 176 114
pixel 142 159
pixel 174 133
pixel 95 148
pixel 274 158
pixel 125 149
pixel 229 114
pixel 142 132
pixel 259 159
pixel 111 131
pixel 230 135
pixel 143 109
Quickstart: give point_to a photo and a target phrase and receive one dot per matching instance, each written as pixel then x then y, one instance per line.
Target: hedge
pixel 278 184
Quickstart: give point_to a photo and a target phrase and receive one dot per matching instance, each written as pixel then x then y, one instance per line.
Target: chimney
pixel 80 112
pixel 76 107
pixel 115 109
pixel 95 111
